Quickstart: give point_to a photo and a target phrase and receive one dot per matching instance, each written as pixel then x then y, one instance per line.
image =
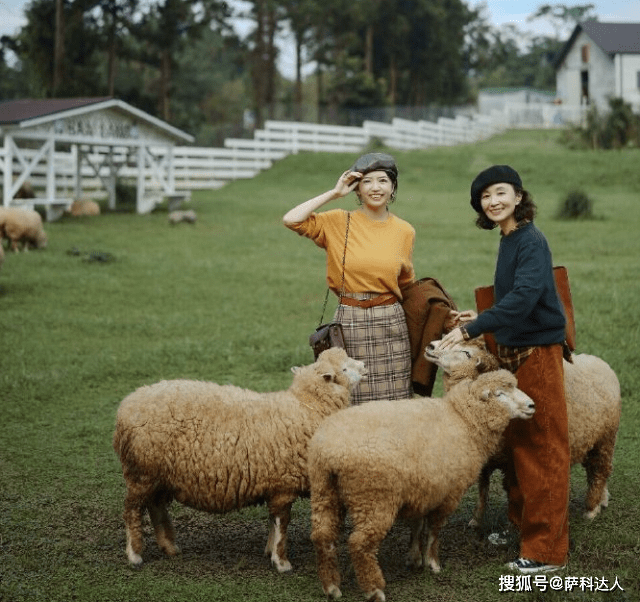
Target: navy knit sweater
pixel 527 311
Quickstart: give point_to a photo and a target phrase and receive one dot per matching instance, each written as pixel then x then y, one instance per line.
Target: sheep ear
pixel 482 366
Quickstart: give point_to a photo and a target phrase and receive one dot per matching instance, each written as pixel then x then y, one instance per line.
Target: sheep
pixel 25 191
pixel 22 226
pixel 592 392
pixel 84 207
pixel 189 216
pixel 219 447
pixel 410 459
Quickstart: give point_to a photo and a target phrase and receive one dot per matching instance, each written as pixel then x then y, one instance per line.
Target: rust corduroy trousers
pixel 538 478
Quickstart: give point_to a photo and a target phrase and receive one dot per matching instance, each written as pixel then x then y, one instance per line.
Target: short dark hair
pixel 525 209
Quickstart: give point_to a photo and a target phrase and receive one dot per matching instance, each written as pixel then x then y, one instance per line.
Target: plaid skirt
pixel 379 337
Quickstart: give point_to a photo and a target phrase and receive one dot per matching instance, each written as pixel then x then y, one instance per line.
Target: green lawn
pixel 232 299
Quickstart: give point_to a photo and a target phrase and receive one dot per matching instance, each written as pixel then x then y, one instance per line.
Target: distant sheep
pixel 189 216
pixel 22 226
pixel 219 448
pixel 592 392
pixel 25 191
pixel 81 207
pixel 409 459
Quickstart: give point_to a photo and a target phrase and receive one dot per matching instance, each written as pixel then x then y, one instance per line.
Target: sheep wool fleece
pixel 538 477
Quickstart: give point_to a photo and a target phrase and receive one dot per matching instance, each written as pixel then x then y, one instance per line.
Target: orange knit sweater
pixel 379 254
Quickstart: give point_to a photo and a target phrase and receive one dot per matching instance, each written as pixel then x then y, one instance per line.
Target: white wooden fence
pixel 209 168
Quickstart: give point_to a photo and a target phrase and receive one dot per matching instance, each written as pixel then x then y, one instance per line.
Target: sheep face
pixel 470 357
pixel 335 365
pixel 501 386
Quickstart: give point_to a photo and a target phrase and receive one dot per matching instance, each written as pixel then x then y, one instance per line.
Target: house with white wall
pixel 600 61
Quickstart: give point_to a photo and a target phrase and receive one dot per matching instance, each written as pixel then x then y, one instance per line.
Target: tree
pixel 112 19
pixel 563 17
pixel 165 30
pixel 77 59
pixel 301 16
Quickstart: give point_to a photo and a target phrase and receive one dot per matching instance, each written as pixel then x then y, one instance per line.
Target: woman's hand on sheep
pixel 449 340
pixel 459 318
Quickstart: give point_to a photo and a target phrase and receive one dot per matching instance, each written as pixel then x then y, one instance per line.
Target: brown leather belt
pixel 384 299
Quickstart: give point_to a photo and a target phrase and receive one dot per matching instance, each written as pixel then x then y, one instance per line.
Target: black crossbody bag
pixel 330 334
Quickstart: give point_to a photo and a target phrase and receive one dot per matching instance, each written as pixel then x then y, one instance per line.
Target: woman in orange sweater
pixel 378 267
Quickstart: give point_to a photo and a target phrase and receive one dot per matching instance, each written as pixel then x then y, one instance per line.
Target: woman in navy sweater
pixel 528 323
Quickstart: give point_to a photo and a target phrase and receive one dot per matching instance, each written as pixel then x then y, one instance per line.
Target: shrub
pixel 619 128
pixel 576 205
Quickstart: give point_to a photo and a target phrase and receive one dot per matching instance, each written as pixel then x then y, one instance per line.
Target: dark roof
pixel 15 111
pixel 613 38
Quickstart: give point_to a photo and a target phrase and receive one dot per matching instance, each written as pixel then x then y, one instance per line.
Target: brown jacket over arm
pixel 426 306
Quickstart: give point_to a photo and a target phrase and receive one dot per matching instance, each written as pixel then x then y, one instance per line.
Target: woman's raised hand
pixel 347 182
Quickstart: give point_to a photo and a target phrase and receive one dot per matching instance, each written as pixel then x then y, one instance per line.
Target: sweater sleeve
pixel 407 274
pixel 521 297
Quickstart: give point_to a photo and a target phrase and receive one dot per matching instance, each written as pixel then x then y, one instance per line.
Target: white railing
pixel 539 115
pixel 210 168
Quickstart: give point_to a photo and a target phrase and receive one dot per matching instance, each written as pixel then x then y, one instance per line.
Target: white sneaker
pixel 527 566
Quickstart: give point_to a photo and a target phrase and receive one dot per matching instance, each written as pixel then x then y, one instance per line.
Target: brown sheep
pixel 218 448
pixel 412 459
pixel 592 392
pixel 84 207
pixel 22 226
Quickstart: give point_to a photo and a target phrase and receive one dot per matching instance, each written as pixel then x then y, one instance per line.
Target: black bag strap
pixel 344 258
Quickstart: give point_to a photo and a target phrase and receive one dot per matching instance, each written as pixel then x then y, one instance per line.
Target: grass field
pixel 233 299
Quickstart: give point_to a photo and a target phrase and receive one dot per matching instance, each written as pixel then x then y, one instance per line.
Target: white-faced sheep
pixel 22 226
pixel 410 459
pixel 592 392
pixel 219 447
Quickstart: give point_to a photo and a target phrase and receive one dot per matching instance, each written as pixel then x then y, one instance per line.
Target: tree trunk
pixel 165 84
pixel 297 97
pixel 272 52
pixel 112 66
pixel 58 51
pixel 320 92
pixel 393 81
pixel 258 75
pixel 368 51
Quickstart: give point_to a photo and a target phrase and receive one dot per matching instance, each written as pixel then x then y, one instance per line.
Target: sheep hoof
pixel 414 562
pixel 377 595
pixel 434 566
pixel 474 523
pixel 282 566
pixel 333 592
pixel 134 558
pixel 591 514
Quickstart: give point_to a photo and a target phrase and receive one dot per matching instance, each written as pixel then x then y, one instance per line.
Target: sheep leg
pixel 327 519
pixel 279 518
pixel 133 508
pixel 436 520
pixel 599 467
pixel 416 543
pixel 371 523
pixel 162 525
pixel 484 481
